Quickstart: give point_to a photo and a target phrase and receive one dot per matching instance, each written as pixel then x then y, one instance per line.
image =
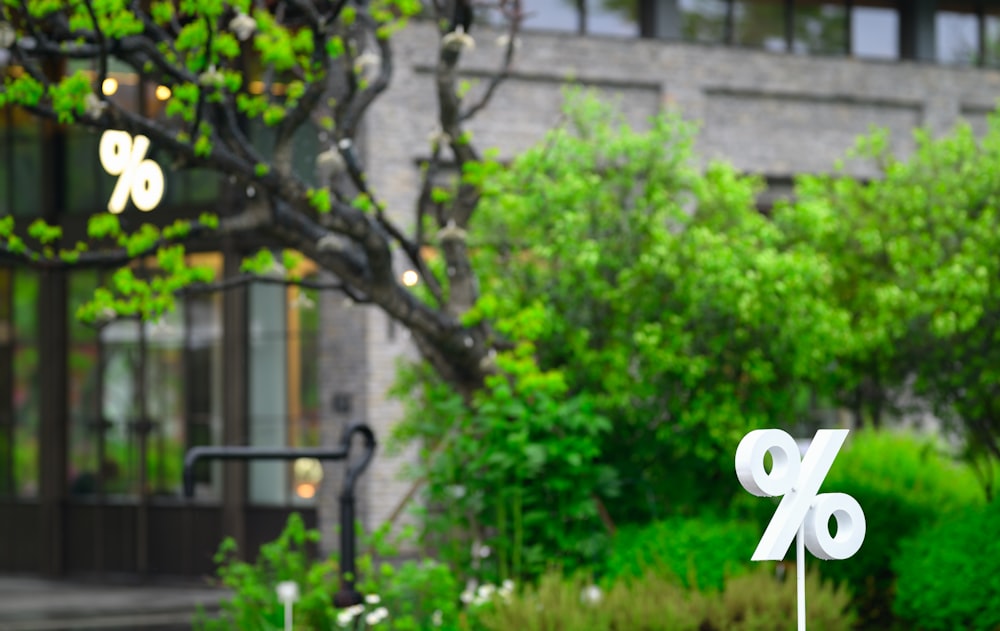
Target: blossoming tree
pixel 219 64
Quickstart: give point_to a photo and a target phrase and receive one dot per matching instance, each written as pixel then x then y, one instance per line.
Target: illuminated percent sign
pixel 125 156
pixel 802 510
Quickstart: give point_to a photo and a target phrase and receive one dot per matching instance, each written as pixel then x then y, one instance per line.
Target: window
pixel 820 29
pixel 991 45
pixel 23 163
pixel 703 20
pixel 284 402
pixel 760 24
pixel 612 17
pixel 27 393
pixel 141 393
pixel 957 37
pixel 553 15
pixel 875 32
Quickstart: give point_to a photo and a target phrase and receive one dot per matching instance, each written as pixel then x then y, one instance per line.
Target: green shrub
pixel 411 596
pixel 754 602
pixel 949 574
pixel 902 483
pixel 652 602
pixel 700 551
pixel 254 604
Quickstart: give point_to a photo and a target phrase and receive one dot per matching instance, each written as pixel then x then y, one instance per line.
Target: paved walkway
pixel 33 604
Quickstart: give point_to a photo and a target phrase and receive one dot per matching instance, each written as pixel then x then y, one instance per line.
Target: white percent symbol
pixel 125 156
pixel 802 510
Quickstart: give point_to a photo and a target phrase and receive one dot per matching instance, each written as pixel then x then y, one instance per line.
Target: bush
pixel 412 596
pixel 902 483
pixel 949 574
pixel 753 602
pixel 254 604
pixel 700 552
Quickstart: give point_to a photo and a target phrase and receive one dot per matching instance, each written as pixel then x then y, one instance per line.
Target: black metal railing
pixel 347 595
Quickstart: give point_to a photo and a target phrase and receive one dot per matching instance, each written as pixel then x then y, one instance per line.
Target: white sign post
pixel 288 593
pixel 803 513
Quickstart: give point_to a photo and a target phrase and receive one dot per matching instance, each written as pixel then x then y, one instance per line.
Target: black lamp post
pixel 347 595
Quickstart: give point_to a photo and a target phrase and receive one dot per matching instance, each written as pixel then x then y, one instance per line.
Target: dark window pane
pixel 6 156
pixel 84 381
pixel 703 20
pixel 26 169
pixel 991 50
pixel 759 24
pixel 88 186
pixel 821 29
pixel 6 384
pixel 27 391
pixel 875 32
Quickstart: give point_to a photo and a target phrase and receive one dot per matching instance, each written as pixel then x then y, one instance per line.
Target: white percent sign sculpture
pixel 125 156
pixel 803 511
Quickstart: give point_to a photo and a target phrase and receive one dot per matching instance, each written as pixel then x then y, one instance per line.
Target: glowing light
pixel 306 490
pixel 410 278
pixel 162 92
pixel 109 86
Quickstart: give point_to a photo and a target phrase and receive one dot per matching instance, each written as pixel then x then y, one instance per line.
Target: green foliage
pixel 68 96
pixel 949 573
pixel 754 602
pixel 410 596
pixel 320 200
pixel 260 263
pixel 418 595
pixel 42 232
pixel 668 298
pixel 699 552
pixel 513 470
pixel 254 604
pixel 914 261
pixel 903 483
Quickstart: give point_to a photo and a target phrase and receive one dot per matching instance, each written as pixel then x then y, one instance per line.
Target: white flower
pixel 348 615
pixel 303 301
pixel 506 589
pixel 504 40
pixel 329 163
pixel 93 105
pixel 437 618
pixel 373 599
pixel 243 26
pixel 467 595
pixel 211 77
pixel 366 63
pixel 484 552
pixel 376 616
pixel 457 40
pixel 457 491
pixel 7 35
pixel 484 594
pixel 591 595
pixel 439 137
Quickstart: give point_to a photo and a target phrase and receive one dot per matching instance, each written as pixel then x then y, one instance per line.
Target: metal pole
pixel 347 595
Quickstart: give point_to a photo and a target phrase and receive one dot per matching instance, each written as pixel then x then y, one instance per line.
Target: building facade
pixel 94 419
